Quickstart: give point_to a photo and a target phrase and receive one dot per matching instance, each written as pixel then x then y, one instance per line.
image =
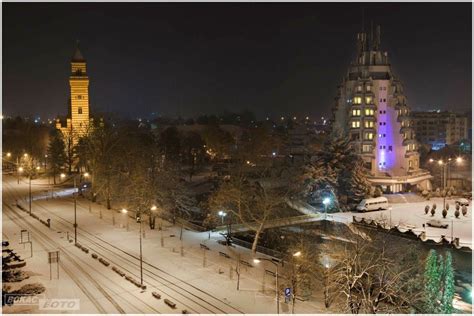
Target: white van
pixel 374 204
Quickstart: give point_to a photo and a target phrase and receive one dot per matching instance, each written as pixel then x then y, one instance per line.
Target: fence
pixel 267 251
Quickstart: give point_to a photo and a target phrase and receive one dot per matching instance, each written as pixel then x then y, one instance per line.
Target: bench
pixel 169 303
pixel 245 263
pixel 156 295
pixel 223 254
pixel 204 246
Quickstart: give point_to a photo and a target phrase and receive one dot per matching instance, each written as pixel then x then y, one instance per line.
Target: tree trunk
pixel 257 236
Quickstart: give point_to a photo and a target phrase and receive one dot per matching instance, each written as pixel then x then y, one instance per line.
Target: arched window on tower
pixel 79 110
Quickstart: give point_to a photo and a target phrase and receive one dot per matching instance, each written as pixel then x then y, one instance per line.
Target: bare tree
pixel 252 203
pixel 367 279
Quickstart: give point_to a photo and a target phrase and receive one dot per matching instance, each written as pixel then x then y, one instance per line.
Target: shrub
pixel 447 206
pixel 31 289
pixel 427 209
pixel 458 206
pixel 456 213
pixel 464 210
pixel 445 212
pixel 433 211
pixel 434 206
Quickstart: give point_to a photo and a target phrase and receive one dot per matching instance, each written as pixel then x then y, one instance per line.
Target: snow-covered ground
pixel 179 276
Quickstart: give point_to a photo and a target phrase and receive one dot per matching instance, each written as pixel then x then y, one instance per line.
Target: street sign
pixel 24 236
pixel 53 256
pixel 288 292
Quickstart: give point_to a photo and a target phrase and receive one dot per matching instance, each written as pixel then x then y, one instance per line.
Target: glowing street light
pixel 86 174
pixel 62 175
pixel 297 254
pixel 38 168
pixel 153 208
pixel 431 160
pixel 20 169
pixel 9 155
pixel 124 211
pixel 440 162
pixel 25 155
pixel 459 160
pixel 222 214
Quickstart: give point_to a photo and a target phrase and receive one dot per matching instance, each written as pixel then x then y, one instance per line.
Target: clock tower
pixel 77 122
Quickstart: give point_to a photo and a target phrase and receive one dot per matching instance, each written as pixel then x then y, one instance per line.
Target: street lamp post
pixel 222 214
pixel 257 260
pixel 75 212
pixel 124 211
pixel 326 202
pixel 445 173
pixel 141 253
pixel 29 191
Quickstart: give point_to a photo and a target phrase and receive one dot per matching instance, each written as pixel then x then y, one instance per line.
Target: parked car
pixel 436 223
pixel 462 202
pixel 467 195
pixel 374 204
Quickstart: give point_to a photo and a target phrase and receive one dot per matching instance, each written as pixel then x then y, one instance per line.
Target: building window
pixel 369 124
pixel 357 100
pixel 359 88
pixel 366 148
pixel 368 100
pixel 79 110
pixel 368 88
pixel 410 164
pixel 369 112
pixel 79 96
pixel 355 112
pixel 355 124
pixel 369 136
pixel 390 148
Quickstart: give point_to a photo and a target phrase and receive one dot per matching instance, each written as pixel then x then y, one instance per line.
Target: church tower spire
pixel 77 124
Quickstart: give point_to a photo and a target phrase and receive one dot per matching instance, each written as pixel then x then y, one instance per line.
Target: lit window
pixel 369 124
pixel 355 112
pixel 366 148
pixel 359 88
pixel 368 88
pixel 355 124
pixel 357 100
pixel 368 100
pixel 79 110
pixel 369 136
pixel 369 112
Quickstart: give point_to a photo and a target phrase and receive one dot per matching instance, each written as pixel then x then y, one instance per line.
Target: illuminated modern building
pixel 371 109
pixel 77 121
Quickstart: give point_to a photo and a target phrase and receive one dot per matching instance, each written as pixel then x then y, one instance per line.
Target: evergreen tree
pixel 56 153
pixel 354 183
pixel 432 283
pixel 448 285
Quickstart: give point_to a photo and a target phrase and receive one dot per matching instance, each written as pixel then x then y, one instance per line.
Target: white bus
pixel 374 204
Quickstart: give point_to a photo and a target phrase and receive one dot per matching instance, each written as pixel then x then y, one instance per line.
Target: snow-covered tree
pixel 432 282
pixel 354 183
pixel 448 285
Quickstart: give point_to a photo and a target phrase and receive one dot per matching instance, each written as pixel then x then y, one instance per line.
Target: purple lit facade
pixel 372 111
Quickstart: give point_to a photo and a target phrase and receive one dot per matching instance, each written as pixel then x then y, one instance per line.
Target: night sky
pixel 189 59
